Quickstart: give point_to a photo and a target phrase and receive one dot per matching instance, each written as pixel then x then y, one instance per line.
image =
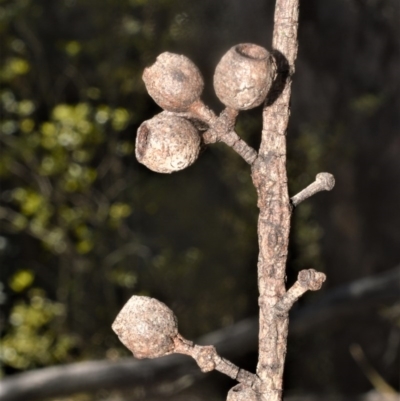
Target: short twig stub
pixel 323 182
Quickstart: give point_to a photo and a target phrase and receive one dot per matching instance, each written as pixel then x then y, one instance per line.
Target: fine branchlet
pixel 208 359
pixel 323 182
pixel 221 129
pixel 307 280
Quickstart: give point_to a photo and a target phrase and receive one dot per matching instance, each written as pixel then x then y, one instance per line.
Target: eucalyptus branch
pixel 270 179
pixel 208 359
pixel 323 182
pixel 245 77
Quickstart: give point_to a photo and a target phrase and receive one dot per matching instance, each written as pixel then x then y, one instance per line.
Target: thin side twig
pixel 323 182
pixel 208 359
pixel 221 129
pixel 307 280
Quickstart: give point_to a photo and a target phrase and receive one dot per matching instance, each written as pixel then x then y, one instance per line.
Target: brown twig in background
pixel 370 372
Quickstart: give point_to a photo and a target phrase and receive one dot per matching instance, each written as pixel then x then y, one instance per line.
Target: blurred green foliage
pixel 65 92
pixel 83 226
pixel 32 338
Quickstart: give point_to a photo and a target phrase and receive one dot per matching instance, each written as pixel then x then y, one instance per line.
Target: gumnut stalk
pixel 167 143
pixel 241 392
pixel 244 76
pixel 147 327
pixel 174 82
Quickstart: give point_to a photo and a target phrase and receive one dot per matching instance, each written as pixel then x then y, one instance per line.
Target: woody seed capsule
pixel 173 81
pixel 167 143
pixel 243 76
pixel 242 393
pixel 147 327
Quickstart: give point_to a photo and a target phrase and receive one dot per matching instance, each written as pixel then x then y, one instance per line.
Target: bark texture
pixel 270 180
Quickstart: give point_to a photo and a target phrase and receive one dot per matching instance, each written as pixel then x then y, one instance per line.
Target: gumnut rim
pixel 167 143
pixel 147 327
pixel 240 392
pixel 244 76
pixel 174 82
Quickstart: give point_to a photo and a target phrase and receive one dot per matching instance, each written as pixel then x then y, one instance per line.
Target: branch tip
pixel 323 182
pixel 327 181
pixel 307 280
pixel 311 279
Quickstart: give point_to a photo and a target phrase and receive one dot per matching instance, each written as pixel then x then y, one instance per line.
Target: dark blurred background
pixel 84 226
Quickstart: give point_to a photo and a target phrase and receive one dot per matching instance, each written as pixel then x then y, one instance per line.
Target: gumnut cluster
pixel 170 142
pixel 147 327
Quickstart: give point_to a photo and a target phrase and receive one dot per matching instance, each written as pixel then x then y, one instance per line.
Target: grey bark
pixel 270 180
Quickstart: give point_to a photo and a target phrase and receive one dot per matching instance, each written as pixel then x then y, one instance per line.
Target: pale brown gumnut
pixel 242 393
pixel 167 143
pixel 243 76
pixel 174 82
pixel 147 327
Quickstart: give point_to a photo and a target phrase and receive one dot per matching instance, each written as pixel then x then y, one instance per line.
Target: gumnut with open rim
pixel 241 392
pixel 167 143
pixel 174 82
pixel 244 76
pixel 147 327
